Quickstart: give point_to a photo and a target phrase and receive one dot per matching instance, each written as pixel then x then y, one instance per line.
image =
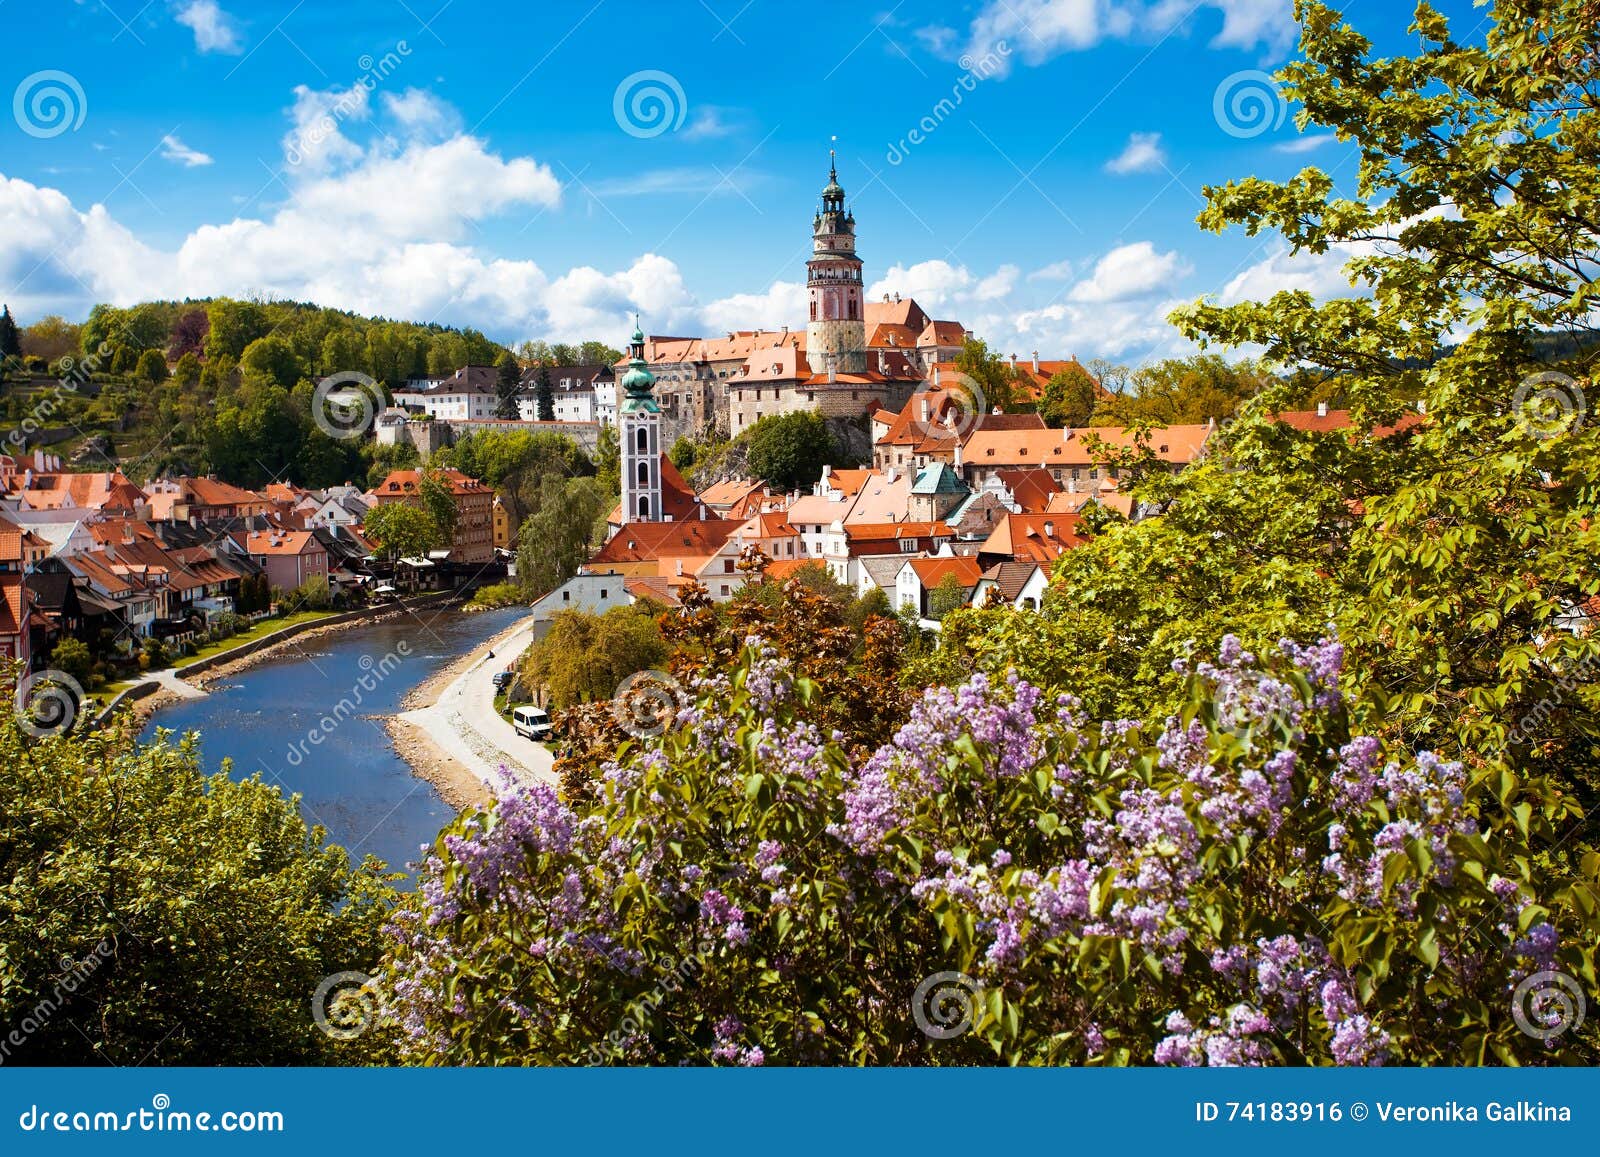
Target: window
pixel 813 311
pixel 642 441
pixel 644 474
pixel 644 507
pixel 727 566
pixel 602 592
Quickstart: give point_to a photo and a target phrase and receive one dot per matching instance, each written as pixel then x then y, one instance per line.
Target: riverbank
pixel 454 712
pixel 141 705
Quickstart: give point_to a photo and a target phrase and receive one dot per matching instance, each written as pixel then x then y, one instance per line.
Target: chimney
pixel 936 373
pixel 1035 361
pixel 1049 530
pixel 958 454
pixel 127 533
pixel 1013 361
pixel 680 568
pixel 1422 406
pixel 832 367
pixel 1322 409
pixel 926 413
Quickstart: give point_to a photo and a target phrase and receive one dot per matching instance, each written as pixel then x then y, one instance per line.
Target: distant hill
pixel 221 385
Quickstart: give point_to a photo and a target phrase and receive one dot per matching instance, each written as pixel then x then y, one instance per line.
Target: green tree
pixel 598 353
pixel 558 537
pixel 608 461
pixel 946 597
pixel 584 657
pixel 52 337
pixel 233 325
pixel 439 501
pixel 271 359
pixel 187 372
pixel 788 451
pixel 995 377
pixel 152 367
pixel 73 657
pixel 10 341
pixel 401 530
pixel 136 892
pixel 1070 397
pixel 682 453
pixel 545 395
pixel 508 383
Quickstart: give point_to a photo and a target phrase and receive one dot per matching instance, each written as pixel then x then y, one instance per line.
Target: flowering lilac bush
pixel 1245 883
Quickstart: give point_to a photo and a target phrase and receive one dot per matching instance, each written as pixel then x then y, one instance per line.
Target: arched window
pixel 644 507
pixel 813 310
pixel 644 473
pixel 642 441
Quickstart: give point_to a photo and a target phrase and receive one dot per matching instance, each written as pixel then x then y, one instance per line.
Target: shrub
pixel 1245 883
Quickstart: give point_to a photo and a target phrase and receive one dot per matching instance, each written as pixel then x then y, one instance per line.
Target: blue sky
pixel 484 164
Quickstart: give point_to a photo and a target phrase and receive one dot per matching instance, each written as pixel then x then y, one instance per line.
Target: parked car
pixel 532 722
pixel 502 679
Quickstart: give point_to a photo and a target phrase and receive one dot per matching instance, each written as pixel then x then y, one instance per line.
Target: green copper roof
pixel 937 478
pixel 638 383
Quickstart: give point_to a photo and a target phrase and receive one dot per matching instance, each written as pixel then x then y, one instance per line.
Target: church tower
pixel 836 334
pixel 639 430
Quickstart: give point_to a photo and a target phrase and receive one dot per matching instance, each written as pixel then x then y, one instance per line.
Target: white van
pixel 532 722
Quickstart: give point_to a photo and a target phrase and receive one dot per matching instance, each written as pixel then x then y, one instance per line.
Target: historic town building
pixel 639 428
pixel 836 334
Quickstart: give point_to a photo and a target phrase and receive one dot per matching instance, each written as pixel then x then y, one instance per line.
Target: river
pixel 352 782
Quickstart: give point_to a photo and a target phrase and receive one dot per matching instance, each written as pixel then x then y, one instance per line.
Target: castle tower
pixel 836 334
pixel 639 429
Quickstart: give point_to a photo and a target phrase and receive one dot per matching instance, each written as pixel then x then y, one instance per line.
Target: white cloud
pixel 1142 154
pixel 1040 30
pixel 784 303
pixel 214 30
pixel 705 182
pixel 417 112
pixel 175 150
pixel 997 285
pixel 708 122
pixel 429 191
pixel 316 139
pixel 1130 271
pixel 1247 24
pixel 937 285
pixel 1055 271
pixel 1306 143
